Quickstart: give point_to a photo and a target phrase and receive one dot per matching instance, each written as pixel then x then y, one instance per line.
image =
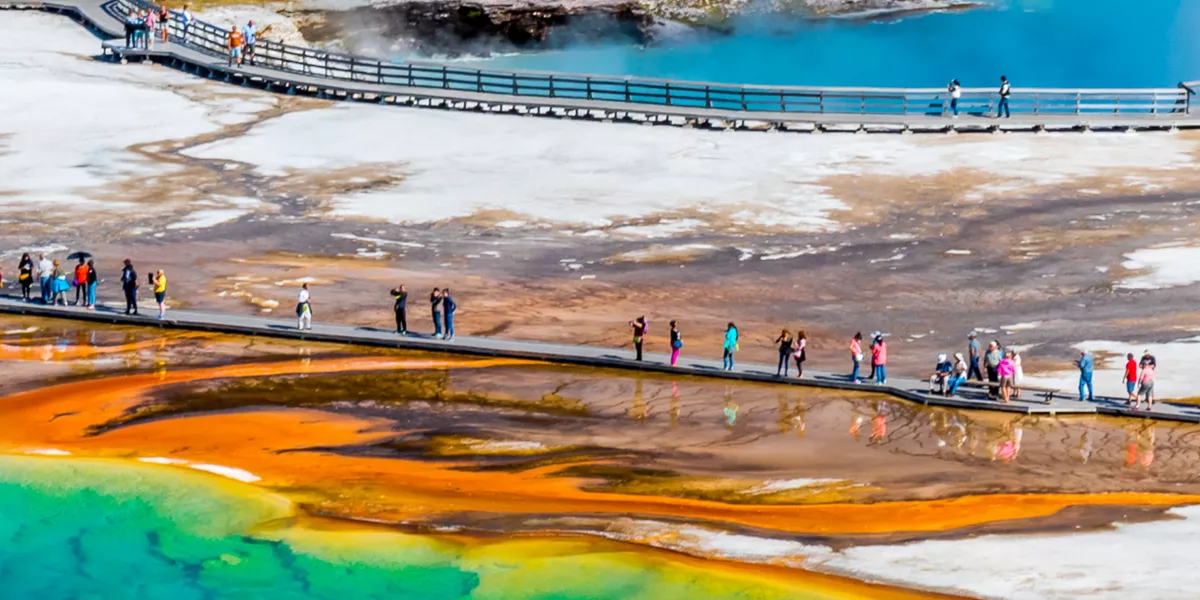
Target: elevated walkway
pixel 296 70
pixel 909 389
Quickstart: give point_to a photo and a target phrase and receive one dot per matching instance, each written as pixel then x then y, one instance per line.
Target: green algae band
pixel 73 528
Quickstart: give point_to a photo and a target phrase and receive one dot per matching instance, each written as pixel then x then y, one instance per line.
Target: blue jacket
pixel 1085 365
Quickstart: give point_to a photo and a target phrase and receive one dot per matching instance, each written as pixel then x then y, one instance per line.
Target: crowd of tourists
pixel 996 368
pixel 143 27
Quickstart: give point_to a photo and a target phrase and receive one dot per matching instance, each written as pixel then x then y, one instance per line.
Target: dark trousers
pixel 129 35
pixel 637 346
pixel 25 286
pixel 974 370
pixel 130 300
pixel 449 324
pixel 784 359
pixel 80 294
pixel 401 320
pixel 993 377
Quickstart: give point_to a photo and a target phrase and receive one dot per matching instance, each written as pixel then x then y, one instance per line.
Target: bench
pixel 1047 394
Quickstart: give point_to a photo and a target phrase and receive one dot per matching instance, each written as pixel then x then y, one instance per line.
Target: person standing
pixel 164 20
pixel 1018 374
pixel 730 346
pixel 801 352
pixel 991 361
pixel 131 26
pixel 449 306
pixel 875 337
pixel 856 355
pixel 80 282
pixel 159 280
pixel 435 305
pixel 1086 366
pixel 45 268
pixel 954 90
pixel 1130 379
pixel 400 307
pixel 304 309
pixel 151 20
pixel 92 280
pixel 25 276
pixel 1005 91
pixel 59 284
pixel 249 38
pixel 879 359
pixel 676 342
pixel 787 346
pixel 129 284
pixel 973 353
pixel 638 326
pixel 1006 370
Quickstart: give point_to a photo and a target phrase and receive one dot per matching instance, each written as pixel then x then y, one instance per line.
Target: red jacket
pixel 81 273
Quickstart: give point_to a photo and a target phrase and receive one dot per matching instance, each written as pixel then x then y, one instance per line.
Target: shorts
pixel 1147 389
pixel 1006 381
pixel 235 52
pixel 250 48
pixel 160 296
pixel 1129 387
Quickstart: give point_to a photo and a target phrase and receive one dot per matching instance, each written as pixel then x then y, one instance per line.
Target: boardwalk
pixel 905 388
pixel 294 70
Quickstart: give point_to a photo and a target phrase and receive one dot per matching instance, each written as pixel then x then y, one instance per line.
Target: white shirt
pixel 303 295
pixel 187 17
pixel 1004 89
pixel 46 267
pixel 955 92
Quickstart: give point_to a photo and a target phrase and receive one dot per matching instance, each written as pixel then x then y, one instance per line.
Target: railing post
pixel 782 102
pixel 707 97
pixel 627 96
pixel 821 101
pixel 742 95
pixel 588 83
pixel 1036 103
pixel 1078 100
pixel 445 79
pixel 379 72
pixel 479 81
pixel 551 81
pixel 412 82
pixel 668 91
pixel 515 92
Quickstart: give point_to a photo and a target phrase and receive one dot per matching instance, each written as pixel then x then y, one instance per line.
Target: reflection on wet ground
pixel 511 446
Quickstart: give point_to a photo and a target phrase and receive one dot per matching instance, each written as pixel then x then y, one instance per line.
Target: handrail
pixel 210 39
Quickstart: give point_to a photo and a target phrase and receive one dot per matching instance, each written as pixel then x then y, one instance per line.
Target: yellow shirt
pixel 160 284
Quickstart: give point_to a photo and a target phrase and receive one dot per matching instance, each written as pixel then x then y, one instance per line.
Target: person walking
pixel 435 305
pixel 856 355
pixel 973 352
pixel 801 352
pixel 235 42
pixel 400 307
pixel 80 283
pixel 1130 379
pixel 1086 366
pixel 186 18
pixel 92 280
pixel 954 90
pixel 1005 91
pixel 129 284
pixel 25 276
pixel 45 267
pixel 787 346
pixel 449 306
pixel 1146 388
pixel 676 342
pixel 159 281
pixel 729 347
pixel 879 359
pixel 304 309
pixel 249 38
pixel 991 361
pixel 639 328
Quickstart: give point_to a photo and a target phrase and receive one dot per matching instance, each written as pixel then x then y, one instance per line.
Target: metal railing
pixel 212 40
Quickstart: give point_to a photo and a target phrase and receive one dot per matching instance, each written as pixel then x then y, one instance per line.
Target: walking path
pixel 906 388
pixel 314 72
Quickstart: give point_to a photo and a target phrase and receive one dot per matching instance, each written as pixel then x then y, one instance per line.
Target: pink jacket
pixel 879 353
pixel 1006 368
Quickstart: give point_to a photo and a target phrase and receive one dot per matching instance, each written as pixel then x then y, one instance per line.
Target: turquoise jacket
pixel 731 335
